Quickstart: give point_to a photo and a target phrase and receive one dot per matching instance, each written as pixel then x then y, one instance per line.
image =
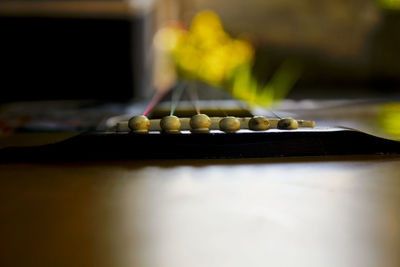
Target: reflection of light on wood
pixel 284 214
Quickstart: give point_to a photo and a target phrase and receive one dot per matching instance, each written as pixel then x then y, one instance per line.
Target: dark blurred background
pixel 103 49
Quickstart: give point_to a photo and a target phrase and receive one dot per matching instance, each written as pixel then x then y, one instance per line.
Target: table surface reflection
pixel 322 211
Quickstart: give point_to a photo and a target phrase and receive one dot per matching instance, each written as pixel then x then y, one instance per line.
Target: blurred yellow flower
pixel 207 53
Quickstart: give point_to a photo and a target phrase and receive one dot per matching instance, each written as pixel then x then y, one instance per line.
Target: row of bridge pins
pixel 200 123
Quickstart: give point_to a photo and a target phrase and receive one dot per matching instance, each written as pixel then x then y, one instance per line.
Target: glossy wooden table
pixel 331 211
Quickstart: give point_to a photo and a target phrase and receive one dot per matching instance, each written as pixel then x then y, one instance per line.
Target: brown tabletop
pixel 323 211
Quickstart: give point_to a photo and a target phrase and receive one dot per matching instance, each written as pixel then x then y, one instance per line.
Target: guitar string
pixel 157 97
pixel 194 96
pixel 176 95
